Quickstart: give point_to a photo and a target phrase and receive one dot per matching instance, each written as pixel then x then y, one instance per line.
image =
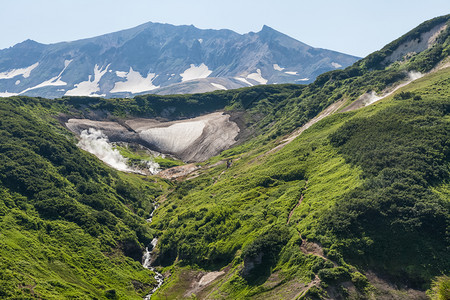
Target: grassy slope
pixel 66 219
pixel 70 208
pixel 211 222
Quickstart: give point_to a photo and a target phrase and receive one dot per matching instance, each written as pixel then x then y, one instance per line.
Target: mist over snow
pixel 97 143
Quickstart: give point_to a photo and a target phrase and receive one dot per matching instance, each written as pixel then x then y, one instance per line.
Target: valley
pixel 335 189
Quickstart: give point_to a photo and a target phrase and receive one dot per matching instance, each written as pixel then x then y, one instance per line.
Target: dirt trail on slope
pixel 363 101
pixel 201 281
pixel 325 113
pixel 179 171
pixel 371 97
pixel 303 291
pixel 298 204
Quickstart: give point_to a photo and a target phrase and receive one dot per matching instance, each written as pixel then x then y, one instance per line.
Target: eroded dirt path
pixel 298 204
pixel 325 113
pixel 176 172
pixel 304 290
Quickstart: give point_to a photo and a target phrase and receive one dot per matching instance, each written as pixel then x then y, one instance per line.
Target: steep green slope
pixel 373 186
pixel 359 192
pixel 358 197
pixel 70 226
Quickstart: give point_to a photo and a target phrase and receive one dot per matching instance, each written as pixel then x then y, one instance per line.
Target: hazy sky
pixel 356 27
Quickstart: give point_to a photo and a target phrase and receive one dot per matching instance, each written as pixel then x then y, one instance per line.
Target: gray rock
pixel 163 59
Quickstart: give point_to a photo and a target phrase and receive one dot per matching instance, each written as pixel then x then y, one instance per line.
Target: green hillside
pixel 374 189
pixel 355 206
pixel 70 226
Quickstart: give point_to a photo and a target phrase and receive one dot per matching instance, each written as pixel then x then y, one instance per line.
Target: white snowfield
pixel 191 140
pixel 243 80
pixel 336 65
pixel 194 72
pixel 55 81
pixel 276 67
pixel 135 82
pixel 176 137
pixel 219 86
pixel 25 72
pixel 89 88
pixel 257 77
pixel 6 94
pixel 372 97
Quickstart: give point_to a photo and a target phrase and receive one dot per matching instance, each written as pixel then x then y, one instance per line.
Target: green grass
pixel 69 224
pixel 217 216
pixel 374 184
pixel 137 155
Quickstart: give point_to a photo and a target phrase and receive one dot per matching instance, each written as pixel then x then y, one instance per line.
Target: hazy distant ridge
pixel 161 58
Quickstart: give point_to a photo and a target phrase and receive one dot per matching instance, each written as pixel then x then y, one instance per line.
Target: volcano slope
pixel 356 206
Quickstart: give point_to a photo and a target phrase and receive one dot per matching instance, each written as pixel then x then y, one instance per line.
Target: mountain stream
pixel 147 260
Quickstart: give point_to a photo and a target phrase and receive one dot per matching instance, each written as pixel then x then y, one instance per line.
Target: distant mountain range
pixel 161 59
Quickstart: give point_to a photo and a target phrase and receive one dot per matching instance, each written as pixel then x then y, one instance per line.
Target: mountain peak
pixel 161 58
pixel 28 42
pixel 269 30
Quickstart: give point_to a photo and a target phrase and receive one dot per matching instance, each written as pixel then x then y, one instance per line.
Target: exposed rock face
pixel 164 59
pixel 191 140
pixel 414 46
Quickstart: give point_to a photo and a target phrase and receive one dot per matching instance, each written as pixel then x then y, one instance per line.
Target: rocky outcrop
pixel 191 140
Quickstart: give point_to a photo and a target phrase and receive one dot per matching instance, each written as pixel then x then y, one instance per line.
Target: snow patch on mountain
pixel 6 94
pixel 276 67
pixel 194 72
pixel 55 81
pixel 336 65
pixel 243 80
pixel 219 86
pixel 176 137
pixel 25 72
pixel 257 77
pixel 135 83
pixel 67 63
pixel 89 88
pixel 122 74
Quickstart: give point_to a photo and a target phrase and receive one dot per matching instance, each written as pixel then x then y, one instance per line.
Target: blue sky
pixel 356 27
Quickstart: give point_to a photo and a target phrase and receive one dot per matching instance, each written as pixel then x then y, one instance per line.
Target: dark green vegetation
pixel 139 157
pixel 70 226
pixel 358 192
pixel 376 198
pixel 402 150
pixel 374 184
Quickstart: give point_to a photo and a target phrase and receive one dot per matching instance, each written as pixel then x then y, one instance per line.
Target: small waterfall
pixel 147 260
pixel 150 218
